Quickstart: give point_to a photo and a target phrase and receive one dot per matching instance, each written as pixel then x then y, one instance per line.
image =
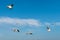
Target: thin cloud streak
pixel 20 22
pixel 26 22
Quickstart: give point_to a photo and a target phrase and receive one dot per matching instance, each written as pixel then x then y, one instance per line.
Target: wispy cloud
pixel 20 22
pixel 26 22
pixel 57 23
pixel 47 23
pixel 52 24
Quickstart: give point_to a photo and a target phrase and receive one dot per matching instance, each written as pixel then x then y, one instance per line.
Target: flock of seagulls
pixel 30 33
pixel 17 30
pixel 14 29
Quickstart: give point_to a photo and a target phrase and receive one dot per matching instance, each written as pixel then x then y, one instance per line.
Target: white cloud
pixel 57 23
pixel 47 23
pixel 20 22
pixel 52 24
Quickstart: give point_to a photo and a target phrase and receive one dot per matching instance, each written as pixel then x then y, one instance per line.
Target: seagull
pixel 29 33
pixel 16 30
pixel 48 29
pixel 10 6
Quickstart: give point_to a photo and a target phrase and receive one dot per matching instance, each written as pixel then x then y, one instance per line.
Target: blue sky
pixel 41 11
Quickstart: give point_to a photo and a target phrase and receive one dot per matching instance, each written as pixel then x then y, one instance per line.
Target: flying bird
pixel 16 30
pixel 29 33
pixel 48 29
pixel 10 6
